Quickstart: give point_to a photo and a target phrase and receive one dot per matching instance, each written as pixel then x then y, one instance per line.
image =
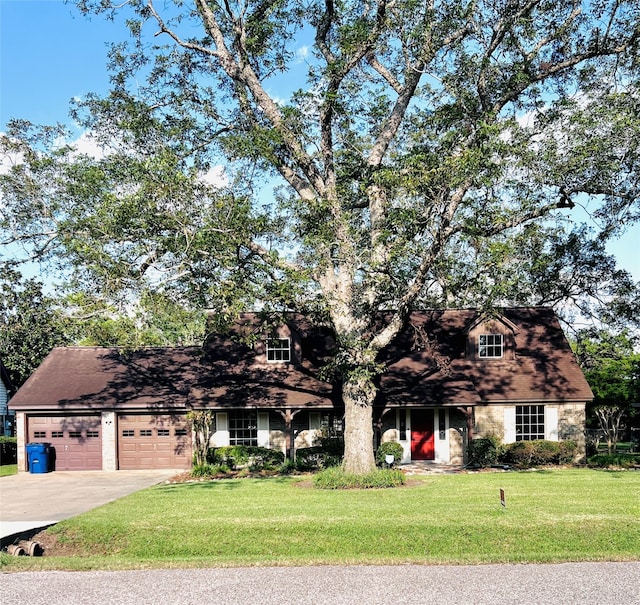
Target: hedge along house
pixel 450 375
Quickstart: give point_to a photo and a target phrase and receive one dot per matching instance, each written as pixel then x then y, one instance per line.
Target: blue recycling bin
pixel 38 457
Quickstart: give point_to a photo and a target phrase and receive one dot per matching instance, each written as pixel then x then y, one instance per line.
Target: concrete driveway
pixel 32 501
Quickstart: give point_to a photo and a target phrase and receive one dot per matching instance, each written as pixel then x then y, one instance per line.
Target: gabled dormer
pixel 491 338
pixel 278 349
pixel 278 345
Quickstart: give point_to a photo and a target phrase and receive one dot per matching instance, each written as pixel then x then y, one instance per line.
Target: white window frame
pixel 492 344
pixel 278 350
pixel 528 414
pixel 243 427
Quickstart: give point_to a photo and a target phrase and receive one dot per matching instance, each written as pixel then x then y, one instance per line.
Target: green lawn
pixel 550 516
pixel 8 469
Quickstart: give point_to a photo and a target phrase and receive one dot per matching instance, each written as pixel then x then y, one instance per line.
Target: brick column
pixel 21 434
pixel 109 441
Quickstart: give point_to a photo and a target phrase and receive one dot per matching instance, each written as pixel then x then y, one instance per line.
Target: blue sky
pixel 50 54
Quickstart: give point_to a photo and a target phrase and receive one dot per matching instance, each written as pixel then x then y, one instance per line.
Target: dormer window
pixel 490 346
pixel 279 350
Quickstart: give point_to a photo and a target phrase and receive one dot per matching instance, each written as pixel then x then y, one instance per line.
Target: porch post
pixel 288 416
pixel 377 426
pixel 468 414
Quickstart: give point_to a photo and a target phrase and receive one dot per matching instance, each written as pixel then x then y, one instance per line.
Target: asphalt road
pixel 564 584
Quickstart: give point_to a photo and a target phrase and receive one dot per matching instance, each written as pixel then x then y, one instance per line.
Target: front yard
pixel 550 516
pixel 8 469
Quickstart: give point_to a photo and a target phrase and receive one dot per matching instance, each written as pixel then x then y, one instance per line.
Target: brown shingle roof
pixel 164 378
pixel 225 373
pixel 543 369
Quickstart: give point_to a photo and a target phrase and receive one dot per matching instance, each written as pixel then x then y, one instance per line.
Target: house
pixel 450 375
pixel 6 389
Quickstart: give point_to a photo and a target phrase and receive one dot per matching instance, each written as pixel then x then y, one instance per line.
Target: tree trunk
pixel 610 418
pixel 358 396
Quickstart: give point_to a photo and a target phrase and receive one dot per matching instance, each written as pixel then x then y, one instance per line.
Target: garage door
pixel 153 441
pixel 76 441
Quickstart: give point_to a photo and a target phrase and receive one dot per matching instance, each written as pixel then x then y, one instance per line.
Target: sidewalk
pixel 29 502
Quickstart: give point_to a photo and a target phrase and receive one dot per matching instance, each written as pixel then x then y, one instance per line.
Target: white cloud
pixel 302 53
pixel 216 177
pixel 87 145
pixel 9 160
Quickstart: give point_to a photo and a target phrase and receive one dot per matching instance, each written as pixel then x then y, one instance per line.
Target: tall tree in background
pixel 31 324
pixel 152 320
pixel 612 368
pixel 417 147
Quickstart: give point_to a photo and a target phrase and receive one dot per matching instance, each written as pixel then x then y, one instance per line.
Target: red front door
pixel 422 444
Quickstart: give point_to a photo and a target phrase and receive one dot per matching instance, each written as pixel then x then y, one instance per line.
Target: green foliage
pixel 311 458
pixel 31 325
pixel 245 456
pixel 8 450
pixel 153 320
pixel 327 451
pixel 617 460
pixel 612 368
pixel 391 448
pixel 484 451
pixel 319 457
pixel 210 471
pixel 567 451
pixel 616 382
pixel 336 477
pixel 287 467
pixel 144 209
pixel 529 454
pixel 393 189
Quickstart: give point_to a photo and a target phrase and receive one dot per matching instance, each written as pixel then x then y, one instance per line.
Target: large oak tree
pixel 417 147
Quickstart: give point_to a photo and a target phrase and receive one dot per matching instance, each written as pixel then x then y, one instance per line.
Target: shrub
pixel 287 467
pixel 209 470
pixel 309 458
pixel 484 451
pixel 8 450
pixel 591 446
pixel 240 456
pixel 336 478
pixel 329 451
pixel 332 446
pixel 389 448
pixel 567 451
pixel 520 454
pixel 613 461
pixel 527 454
pixel 316 457
pixel 545 452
